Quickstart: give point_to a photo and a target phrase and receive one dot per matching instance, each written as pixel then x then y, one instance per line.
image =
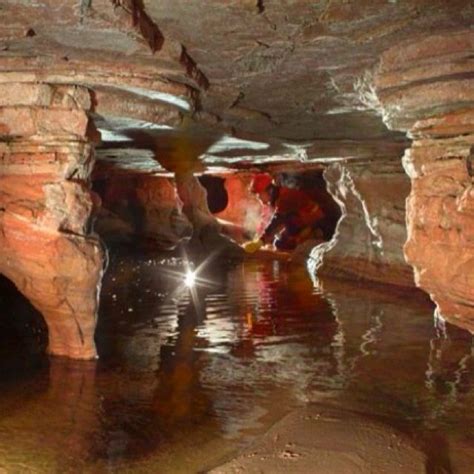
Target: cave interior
pixel 134 129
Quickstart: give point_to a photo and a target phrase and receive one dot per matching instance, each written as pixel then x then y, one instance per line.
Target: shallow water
pixel 187 377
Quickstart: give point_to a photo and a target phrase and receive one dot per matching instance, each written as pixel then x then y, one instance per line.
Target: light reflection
pixel 190 279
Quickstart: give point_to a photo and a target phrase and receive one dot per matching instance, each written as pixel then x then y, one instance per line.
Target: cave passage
pixel 237 236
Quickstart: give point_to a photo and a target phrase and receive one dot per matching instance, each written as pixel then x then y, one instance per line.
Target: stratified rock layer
pixel 426 88
pixel 440 218
pixel 371 232
pixel 45 207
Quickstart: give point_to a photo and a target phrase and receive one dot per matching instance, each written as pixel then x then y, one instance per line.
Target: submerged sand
pixel 326 440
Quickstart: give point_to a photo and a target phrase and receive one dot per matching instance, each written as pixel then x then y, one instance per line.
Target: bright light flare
pixel 190 278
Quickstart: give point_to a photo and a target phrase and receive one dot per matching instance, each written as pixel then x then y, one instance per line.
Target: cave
pixel 237 236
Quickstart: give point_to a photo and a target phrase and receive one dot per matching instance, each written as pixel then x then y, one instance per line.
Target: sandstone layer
pixel 140 208
pixel 425 88
pixel 45 208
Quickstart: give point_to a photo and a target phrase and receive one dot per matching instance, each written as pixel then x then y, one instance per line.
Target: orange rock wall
pixel 244 209
pixel 45 207
pixel 141 206
pixel 426 88
pixel 440 218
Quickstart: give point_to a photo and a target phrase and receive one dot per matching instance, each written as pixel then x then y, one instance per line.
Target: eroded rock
pixel 143 207
pixel 370 235
pixel 440 220
pixel 46 249
pixel 426 89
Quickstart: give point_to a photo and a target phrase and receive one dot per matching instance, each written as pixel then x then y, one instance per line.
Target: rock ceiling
pixel 282 78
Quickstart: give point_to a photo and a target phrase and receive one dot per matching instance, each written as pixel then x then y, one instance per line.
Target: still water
pixel 187 377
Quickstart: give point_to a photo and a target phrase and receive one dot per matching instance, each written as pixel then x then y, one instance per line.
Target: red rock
pixel 45 206
pixel 59 274
pixel 244 209
pixel 440 242
pixel 152 200
pixel 425 87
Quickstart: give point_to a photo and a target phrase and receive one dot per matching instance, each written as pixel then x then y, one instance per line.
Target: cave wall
pixel 244 208
pixel 440 219
pixel 46 248
pixel 142 207
pixel 425 88
pixel 369 237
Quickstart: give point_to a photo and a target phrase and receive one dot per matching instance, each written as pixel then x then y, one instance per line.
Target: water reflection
pixel 218 368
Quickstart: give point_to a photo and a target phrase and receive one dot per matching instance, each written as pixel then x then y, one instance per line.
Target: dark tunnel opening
pixel 23 332
pixel 312 183
pixel 217 196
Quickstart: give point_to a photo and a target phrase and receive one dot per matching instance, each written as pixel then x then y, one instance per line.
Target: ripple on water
pixel 215 366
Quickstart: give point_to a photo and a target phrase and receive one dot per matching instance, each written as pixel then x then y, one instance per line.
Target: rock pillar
pixel 46 248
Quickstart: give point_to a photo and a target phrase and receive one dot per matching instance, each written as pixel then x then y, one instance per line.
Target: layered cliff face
pixel 426 89
pixel 45 206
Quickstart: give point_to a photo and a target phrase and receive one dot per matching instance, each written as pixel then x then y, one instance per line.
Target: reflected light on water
pixel 213 355
pixel 190 278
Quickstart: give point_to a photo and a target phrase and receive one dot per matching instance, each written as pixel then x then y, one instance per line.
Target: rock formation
pixel 369 237
pixel 243 207
pixel 45 207
pixel 336 84
pixel 140 207
pixel 425 88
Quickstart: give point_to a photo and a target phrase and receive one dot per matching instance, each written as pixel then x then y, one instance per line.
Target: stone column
pixel 46 248
pixel 426 88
